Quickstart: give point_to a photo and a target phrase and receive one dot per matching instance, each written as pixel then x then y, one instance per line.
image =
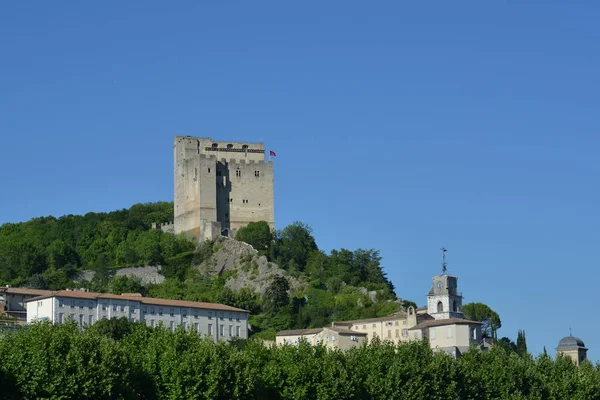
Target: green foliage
pixel 59 246
pixel 521 344
pixel 276 295
pixel 258 234
pixel 484 314
pixel 63 362
pixel 294 245
pixel 125 284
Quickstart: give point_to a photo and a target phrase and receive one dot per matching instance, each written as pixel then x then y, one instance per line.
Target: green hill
pixel 309 288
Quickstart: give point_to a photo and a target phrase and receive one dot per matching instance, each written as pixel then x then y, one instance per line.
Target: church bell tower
pixel 444 300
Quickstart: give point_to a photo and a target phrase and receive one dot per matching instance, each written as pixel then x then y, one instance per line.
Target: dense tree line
pixel 130 361
pixel 45 252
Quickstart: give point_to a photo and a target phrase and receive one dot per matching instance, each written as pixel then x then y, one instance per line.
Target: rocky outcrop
pixel 243 266
pixel 147 274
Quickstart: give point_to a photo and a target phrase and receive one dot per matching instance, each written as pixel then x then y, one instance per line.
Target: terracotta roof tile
pixel 135 297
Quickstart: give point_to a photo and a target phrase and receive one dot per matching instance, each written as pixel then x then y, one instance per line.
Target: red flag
pixel 272 153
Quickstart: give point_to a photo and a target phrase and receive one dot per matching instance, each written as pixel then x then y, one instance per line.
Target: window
pixel 90 320
pixel 449 332
pixel 230 146
pixel 122 308
pixel 91 305
pixel 152 310
pixel 374 325
pixel 81 304
pixel 159 310
pixel 244 146
pixel 474 333
pixel 440 307
pixel 72 303
pixel 222 330
pixel 103 307
pixel 145 310
pixel 80 319
pixel 405 332
pixel 132 308
pixel 431 333
pixel 237 331
pixel 364 327
pixel 114 307
pixel 353 338
pixel 222 316
pixel 184 325
pixel 230 330
pixel 230 317
pixel 210 315
pixel 256 173
pixel 196 327
pixel 210 329
pixel 215 145
pixel 209 170
pixel 61 304
pixel 171 312
pixel 152 323
pixel 397 332
pixel 238 172
pixel 60 318
pixel 172 326
pixel 184 312
pixel 397 323
pixel 237 317
pixel 195 313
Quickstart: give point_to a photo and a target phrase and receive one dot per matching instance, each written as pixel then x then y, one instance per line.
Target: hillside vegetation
pixel 132 361
pixel 309 288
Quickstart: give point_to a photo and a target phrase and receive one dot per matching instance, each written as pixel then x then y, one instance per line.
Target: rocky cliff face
pixel 245 266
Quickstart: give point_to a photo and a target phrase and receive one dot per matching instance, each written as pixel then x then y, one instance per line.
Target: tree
pixel 483 313
pixel 276 295
pixel 257 234
pixel 294 245
pixel 521 344
pixel 124 284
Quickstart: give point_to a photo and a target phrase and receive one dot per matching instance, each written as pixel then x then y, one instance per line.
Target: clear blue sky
pixel 402 127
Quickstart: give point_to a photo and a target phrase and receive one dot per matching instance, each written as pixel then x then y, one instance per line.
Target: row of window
pixel 388 323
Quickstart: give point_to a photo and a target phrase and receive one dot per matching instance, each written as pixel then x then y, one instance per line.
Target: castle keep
pixel 220 187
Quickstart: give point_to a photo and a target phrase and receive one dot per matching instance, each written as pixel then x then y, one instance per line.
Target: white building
pixel 218 321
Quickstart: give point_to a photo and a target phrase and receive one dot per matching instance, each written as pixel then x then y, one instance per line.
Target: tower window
pixel 244 146
pixel 256 173
pixel 209 170
pixel 238 172
pixel 215 145
pixel 231 200
pixel 440 307
pixel 230 146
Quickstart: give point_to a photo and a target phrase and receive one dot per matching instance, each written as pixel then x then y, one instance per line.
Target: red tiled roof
pixel 36 292
pixel 145 300
pixel 313 331
pixel 447 321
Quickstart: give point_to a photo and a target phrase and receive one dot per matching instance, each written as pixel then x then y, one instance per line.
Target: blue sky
pixel 401 127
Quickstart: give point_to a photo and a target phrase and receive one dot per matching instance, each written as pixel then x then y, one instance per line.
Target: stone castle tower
pixel 220 187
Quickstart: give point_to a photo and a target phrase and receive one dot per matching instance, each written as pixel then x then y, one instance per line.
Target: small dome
pixel 569 342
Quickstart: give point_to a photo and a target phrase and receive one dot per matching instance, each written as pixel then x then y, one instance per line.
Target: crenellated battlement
pixel 220 186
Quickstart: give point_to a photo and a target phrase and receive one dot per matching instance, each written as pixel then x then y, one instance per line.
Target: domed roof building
pixel 572 347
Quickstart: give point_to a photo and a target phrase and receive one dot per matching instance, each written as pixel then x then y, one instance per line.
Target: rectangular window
pixel 122 308
pixel 364 327
pixel 449 332
pixel 114 307
pixel 397 323
pixel 405 332
pixel 397 332
pixel 389 333
pixel 184 325
pixel 61 304
pixel 152 310
pixel 152 323
pixel 184 312
pixel 172 325
pixel 195 313
pixel 81 304
pixel 145 310
pixel 160 311
pixel 230 317
pixel 222 330
pixel 103 307
pixel 171 312
pixel 230 330
pixel 237 317
pixel 210 315
pixel 222 316
pixel 431 333
pixel 72 303
pixel 196 328
pixel 90 320
pixel 132 308
pixel 60 318
pixel 210 329
pixel 237 331
pixel 91 305
pixel 374 325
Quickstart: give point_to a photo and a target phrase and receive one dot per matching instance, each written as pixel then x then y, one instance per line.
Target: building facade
pixel 217 321
pixel 572 347
pixel 332 337
pixel 220 187
pixel 14 301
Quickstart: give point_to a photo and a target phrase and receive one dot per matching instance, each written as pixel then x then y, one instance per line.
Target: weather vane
pixel 444 265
